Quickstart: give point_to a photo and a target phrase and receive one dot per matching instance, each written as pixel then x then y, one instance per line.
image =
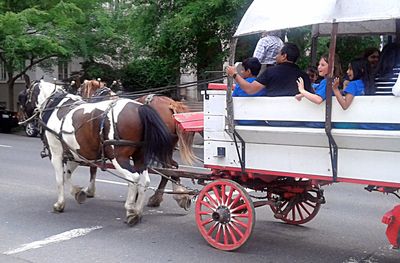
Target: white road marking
pixel 110 182
pixel 5 146
pixel 53 239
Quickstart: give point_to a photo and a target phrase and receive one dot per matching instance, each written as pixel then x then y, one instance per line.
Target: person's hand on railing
pixel 230 70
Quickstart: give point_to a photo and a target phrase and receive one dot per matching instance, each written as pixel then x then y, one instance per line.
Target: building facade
pixel 61 71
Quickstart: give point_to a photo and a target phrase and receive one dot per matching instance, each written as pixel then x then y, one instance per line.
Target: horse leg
pixel 144 182
pixel 57 162
pixel 183 200
pixel 123 166
pixel 156 199
pixel 139 196
pixel 91 189
pixel 76 191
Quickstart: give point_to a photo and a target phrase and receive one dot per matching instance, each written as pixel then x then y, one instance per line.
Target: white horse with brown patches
pixel 120 130
pixel 95 90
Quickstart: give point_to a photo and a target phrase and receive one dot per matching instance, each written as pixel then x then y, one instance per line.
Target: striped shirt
pixel 385 83
pixel 267 48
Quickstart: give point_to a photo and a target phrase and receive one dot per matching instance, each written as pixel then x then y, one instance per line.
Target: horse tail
pixel 185 139
pixel 185 143
pixel 157 138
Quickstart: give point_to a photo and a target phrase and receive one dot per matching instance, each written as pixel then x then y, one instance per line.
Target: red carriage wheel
pixel 225 214
pixel 298 209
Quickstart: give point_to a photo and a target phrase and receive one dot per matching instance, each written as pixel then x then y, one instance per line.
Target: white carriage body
pixel 364 156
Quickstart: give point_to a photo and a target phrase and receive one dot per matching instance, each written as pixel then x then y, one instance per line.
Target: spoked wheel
pixel 225 214
pixel 299 208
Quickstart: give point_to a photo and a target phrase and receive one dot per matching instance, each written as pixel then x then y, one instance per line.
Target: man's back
pixel 267 48
pixel 280 80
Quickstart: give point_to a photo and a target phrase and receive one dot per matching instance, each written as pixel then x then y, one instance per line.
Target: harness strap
pixel 102 124
pixel 121 142
pixel 149 98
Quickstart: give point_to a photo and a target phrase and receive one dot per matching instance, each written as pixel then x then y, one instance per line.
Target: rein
pixel 34 115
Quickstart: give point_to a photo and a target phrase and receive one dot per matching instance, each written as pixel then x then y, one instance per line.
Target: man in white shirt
pixel 267 48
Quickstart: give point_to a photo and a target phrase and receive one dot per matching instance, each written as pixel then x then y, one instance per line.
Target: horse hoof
pixel 185 203
pixel 133 219
pixel 80 197
pixel 154 201
pixel 89 195
pixel 57 208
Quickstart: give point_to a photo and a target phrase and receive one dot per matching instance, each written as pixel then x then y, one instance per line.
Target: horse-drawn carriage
pixel 288 164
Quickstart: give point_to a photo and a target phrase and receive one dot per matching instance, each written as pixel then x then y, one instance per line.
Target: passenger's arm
pixel 344 101
pixel 249 88
pixel 312 97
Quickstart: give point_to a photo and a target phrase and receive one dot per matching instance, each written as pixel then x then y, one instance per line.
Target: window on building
pixel 62 70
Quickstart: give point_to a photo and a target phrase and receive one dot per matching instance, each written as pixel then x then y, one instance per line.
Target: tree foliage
pixel 33 32
pixel 188 33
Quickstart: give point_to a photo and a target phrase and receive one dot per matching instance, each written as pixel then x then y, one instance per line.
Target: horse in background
pixel 120 130
pixel 166 108
pixel 94 90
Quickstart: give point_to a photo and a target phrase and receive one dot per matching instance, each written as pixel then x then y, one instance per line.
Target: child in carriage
pixel 320 90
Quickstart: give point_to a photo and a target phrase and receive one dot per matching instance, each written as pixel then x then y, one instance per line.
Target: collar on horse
pixel 52 104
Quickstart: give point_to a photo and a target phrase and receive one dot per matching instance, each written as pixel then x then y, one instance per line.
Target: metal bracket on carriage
pixel 392 219
pixel 382 189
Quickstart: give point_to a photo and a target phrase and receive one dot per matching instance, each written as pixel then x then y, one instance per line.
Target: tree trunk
pixel 10 84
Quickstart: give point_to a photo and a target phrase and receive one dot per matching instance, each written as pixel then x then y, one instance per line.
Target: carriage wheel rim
pixel 225 214
pixel 301 212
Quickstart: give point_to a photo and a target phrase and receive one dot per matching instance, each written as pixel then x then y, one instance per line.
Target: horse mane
pixel 178 107
pixel 174 106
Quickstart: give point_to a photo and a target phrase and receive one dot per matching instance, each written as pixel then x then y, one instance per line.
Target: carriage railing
pixel 364 156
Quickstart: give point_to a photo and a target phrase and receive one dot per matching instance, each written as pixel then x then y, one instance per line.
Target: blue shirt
pixel 238 92
pixel 355 88
pixel 321 89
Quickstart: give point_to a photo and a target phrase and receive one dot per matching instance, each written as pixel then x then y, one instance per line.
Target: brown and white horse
pixel 166 108
pixel 119 130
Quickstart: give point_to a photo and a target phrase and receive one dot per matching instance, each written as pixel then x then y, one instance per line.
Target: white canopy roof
pixel 353 16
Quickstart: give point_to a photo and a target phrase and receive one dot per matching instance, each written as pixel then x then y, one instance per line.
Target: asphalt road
pixel 347 228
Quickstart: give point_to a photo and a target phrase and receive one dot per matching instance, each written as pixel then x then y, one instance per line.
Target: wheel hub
pixel 222 215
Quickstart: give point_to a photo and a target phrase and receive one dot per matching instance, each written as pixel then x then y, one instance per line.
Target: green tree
pixel 185 33
pixel 32 36
pixel 37 32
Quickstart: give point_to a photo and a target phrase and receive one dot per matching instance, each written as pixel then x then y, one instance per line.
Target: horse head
pixel 46 90
pixel 89 87
pixel 28 98
pixel 95 90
